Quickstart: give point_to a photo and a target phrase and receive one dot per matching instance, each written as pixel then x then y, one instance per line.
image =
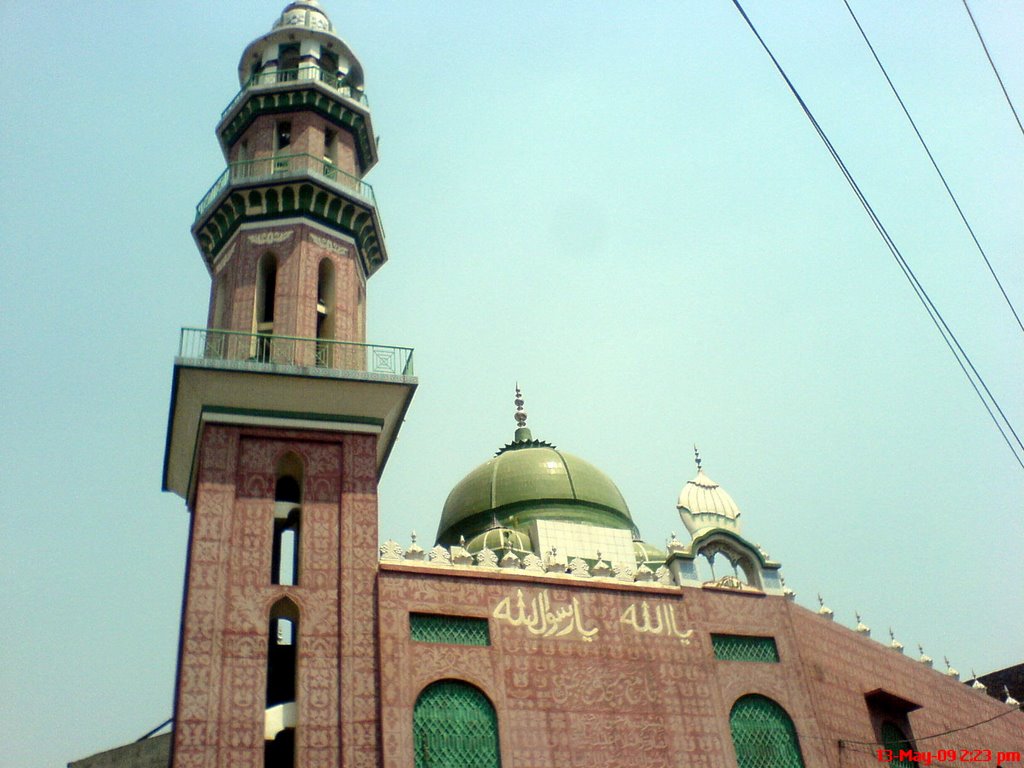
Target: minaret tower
pixel 281 420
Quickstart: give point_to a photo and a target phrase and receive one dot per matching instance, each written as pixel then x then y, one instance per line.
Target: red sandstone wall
pixel 222 669
pixel 630 698
pixel 842 666
pixel 299 248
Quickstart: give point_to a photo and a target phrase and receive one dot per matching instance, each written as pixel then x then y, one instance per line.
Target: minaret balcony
pixel 282 168
pixel 257 379
pixel 273 78
pixel 208 347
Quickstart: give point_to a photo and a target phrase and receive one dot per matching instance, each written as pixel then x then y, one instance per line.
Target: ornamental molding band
pixel 266 204
pixel 311 95
pixel 269 238
pixel 327 244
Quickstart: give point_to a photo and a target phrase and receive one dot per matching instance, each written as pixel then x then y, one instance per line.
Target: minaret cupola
pixel 303 37
pixel 717 555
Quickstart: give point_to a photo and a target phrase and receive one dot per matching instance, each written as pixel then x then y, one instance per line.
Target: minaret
pixel 281 420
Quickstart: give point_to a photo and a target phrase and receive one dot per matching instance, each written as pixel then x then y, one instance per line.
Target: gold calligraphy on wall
pixel 539 617
pixel 542 618
pixel 659 621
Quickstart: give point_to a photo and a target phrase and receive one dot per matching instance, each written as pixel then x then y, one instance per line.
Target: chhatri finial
pixel 520 413
pixel 696 456
pixel 522 431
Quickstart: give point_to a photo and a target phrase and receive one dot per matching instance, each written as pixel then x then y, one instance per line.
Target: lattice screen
pixel 457 630
pixel 454 726
pixel 763 735
pixel 744 648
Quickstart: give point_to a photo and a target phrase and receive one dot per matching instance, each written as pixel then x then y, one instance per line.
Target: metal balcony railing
pixel 309 72
pixel 279 166
pixel 260 349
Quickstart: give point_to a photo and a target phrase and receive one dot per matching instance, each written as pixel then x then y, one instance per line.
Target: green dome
pixel 530 480
pixel 648 554
pixel 497 539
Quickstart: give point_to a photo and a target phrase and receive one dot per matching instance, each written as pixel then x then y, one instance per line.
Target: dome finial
pixel 522 431
pixel 696 456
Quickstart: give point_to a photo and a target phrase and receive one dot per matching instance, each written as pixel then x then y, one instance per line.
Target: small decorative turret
pixel 824 610
pixel 1009 699
pixel 703 504
pixel 950 672
pixel 977 685
pixel 895 644
pixel 926 660
pixel 862 628
pixel 788 593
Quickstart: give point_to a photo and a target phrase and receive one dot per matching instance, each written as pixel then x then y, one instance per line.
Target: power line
pixel 936 317
pixel 993 64
pixel 935 165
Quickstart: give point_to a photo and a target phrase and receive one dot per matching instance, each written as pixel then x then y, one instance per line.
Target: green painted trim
pixel 309 98
pixel 696 543
pixel 170 427
pixel 221 221
pixel 303 415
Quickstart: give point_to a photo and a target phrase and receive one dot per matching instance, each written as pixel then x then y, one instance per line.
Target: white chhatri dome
pixel 704 504
pixel 304 13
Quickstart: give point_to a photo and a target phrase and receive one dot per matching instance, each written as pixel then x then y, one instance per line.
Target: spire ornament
pixel 696 457
pixel 523 437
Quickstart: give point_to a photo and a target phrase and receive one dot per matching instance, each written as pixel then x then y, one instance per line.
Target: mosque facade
pixel 538 628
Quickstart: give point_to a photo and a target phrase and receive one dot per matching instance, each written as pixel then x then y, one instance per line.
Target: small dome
pixel 703 495
pixel 648 553
pixel 301 22
pixel 304 13
pixel 497 539
pixel 531 480
pixel 703 503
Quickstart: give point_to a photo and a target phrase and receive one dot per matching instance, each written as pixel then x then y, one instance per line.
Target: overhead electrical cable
pixel 993 65
pixel 935 165
pixel 963 360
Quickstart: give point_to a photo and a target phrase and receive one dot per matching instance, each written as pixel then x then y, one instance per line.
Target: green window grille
pixel 744 648
pixel 456 630
pixel 454 726
pixel 894 739
pixel 763 734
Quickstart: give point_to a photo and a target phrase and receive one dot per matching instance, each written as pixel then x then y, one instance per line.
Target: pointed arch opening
pixel 282 669
pixel 763 734
pixel 325 311
pixel 263 307
pixel 284 560
pixel 454 725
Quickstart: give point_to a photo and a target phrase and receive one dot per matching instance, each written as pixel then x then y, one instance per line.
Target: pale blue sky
pixel 619 206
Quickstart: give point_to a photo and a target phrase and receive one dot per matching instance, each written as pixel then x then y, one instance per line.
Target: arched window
pixel 284 560
pixel 282 658
pixel 324 312
pixel 263 310
pixel 453 726
pixel 288 57
pixel 894 739
pixel 763 734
